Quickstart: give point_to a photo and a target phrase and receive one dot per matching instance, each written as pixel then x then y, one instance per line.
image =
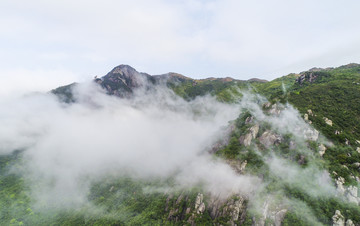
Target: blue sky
pixel 44 44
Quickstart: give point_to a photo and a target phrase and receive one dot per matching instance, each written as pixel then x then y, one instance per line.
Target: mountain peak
pixel 123 79
pixel 123 68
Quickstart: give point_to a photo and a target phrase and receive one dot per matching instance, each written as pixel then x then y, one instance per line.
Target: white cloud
pixel 157 135
pixel 21 81
pixel 198 38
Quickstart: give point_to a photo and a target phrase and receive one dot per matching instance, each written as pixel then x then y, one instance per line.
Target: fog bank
pixel 152 135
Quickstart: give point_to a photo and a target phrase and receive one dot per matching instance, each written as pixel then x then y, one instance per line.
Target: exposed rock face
pixel 269 138
pixel 311 134
pixel 352 195
pixel 340 185
pixel 310 112
pixel 328 121
pixel 306 117
pixel 199 204
pixel 175 213
pixel 351 192
pixel 234 207
pixel 254 131
pixel 247 138
pixel 279 217
pixel 249 119
pixel 358 149
pixel 338 219
pixel 322 149
pixel 274 110
pixel 347 142
pixel 349 223
pixel 276 215
pixel 309 76
pixel 123 79
pixel 237 165
pixel 243 165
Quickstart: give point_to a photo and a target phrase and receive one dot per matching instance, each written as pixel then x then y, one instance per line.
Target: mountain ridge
pixel 298 134
pixel 122 80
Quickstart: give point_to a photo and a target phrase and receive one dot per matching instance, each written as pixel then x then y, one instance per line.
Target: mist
pixel 312 178
pixel 152 135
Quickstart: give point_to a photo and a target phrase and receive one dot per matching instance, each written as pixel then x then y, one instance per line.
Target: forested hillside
pixel 281 152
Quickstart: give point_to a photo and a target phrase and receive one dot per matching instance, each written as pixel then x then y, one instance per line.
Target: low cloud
pixel 157 135
pixel 153 135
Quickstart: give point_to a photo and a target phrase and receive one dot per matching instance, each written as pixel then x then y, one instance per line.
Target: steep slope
pixel 123 79
pixel 306 178
pixel 333 95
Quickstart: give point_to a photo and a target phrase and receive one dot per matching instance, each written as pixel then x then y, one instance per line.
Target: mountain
pixel 123 80
pixel 297 138
pixel 331 93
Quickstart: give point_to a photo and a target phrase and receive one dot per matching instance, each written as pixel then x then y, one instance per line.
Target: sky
pixel 45 44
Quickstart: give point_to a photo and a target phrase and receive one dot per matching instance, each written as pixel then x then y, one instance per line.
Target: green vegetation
pixel 276 90
pixel 65 93
pixel 332 93
pixel 225 91
pixel 111 201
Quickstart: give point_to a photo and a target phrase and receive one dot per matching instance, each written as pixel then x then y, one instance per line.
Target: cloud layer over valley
pixel 156 135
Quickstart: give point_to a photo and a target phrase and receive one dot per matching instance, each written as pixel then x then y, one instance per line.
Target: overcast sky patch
pixel 241 39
